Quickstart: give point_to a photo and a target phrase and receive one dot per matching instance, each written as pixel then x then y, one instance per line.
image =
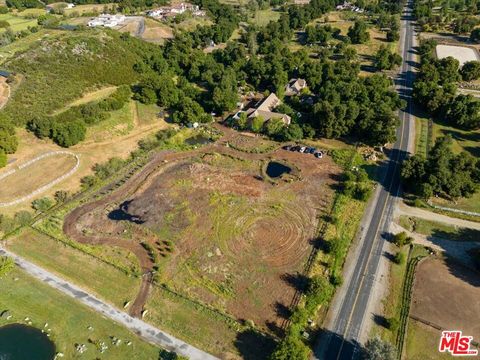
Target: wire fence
pixel 46 186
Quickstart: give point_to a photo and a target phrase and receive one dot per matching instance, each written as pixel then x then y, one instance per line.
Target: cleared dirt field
pixel 4 92
pixel 446 294
pixel 222 231
pixel 34 176
pixel 461 53
pixel 156 32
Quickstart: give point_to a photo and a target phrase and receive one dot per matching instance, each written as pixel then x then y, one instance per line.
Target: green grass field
pixel 263 17
pixel 191 323
pixel 17 23
pixel 24 296
pixel 147 114
pixel 422 342
pixel 468 141
pixel 421 136
pixel 120 122
pixel 103 279
pixel 437 229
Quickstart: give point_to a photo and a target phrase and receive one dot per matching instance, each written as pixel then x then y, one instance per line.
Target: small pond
pixel 276 169
pixel 21 342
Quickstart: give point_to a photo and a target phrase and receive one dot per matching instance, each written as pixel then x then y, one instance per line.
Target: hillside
pixel 58 70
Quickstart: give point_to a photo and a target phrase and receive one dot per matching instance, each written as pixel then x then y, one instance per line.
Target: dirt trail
pixel 427 215
pixel 80 218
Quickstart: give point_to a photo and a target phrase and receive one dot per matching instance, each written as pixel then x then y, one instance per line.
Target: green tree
pixel 470 70
pixel 22 218
pixel 393 324
pixel 358 32
pixel 402 239
pixel 69 134
pixel 242 121
pixel 257 124
pixel 42 205
pixel 377 349
pixel 3 158
pixel 274 127
pixel 475 35
pixel 291 348
pixel 291 132
pixel 399 258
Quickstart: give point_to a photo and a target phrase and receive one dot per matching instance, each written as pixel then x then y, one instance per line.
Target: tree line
pixel 435 88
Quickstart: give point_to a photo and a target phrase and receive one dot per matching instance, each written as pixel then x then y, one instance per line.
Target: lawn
pixel 437 229
pixel 95 95
pixel 263 17
pixel 17 23
pixel 463 140
pixel 69 320
pixel 85 270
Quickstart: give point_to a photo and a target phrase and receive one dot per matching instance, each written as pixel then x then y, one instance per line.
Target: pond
pixel 276 169
pixel 21 342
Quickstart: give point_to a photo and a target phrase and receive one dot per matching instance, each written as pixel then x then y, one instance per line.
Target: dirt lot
pixel 446 294
pixel 461 53
pixel 222 231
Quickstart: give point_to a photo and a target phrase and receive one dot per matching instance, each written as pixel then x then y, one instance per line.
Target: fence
pixel 46 186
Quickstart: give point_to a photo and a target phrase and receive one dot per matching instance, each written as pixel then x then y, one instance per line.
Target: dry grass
pixel 156 32
pixel 103 279
pixel 90 153
pixel 30 178
pixel 81 9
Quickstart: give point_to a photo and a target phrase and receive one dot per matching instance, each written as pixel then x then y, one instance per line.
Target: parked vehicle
pixel 313 150
pixel 287 147
pixel 302 149
pixel 295 148
pixel 318 154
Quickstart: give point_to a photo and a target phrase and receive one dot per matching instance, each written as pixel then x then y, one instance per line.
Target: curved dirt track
pixel 277 254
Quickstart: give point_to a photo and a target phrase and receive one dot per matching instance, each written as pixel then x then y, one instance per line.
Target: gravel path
pixel 428 215
pixel 139 327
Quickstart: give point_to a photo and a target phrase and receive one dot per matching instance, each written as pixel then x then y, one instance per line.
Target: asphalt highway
pixel 341 339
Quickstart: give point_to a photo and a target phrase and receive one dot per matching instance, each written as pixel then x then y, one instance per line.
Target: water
pixel 21 342
pixel 275 169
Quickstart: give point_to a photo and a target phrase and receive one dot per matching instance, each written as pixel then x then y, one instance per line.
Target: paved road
pixel 340 339
pixel 139 327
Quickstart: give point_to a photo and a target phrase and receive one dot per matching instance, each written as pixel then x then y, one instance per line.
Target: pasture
pixel 69 320
pixel 17 23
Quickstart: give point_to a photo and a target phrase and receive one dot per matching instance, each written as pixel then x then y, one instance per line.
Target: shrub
pixel 42 204
pixel 23 218
pixel 393 324
pixel 377 349
pixel 402 239
pixel 399 258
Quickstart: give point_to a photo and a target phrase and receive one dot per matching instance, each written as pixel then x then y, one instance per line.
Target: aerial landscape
pixel 239 179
